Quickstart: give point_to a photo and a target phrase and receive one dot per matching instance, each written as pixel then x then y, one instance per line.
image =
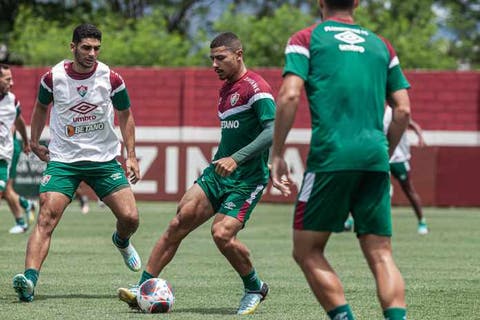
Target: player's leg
pixel 233 213
pixel 21 221
pixel 389 281
pixel 322 206
pixel 401 172
pixel 82 196
pixel 193 210
pixel 123 205
pixel 52 206
pixel 372 212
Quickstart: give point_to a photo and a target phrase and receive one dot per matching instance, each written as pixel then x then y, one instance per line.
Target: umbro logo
pixel 349 37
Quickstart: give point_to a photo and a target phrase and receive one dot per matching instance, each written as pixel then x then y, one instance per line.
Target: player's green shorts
pixel 400 170
pixel 104 177
pixel 17 149
pixel 326 198
pixel 237 201
pixel 3 174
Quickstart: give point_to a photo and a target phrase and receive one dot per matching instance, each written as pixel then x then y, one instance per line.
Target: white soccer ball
pixel 155 296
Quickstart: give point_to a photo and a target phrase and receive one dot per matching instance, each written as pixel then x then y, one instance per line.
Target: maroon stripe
pixel 299 214
pixel 243 212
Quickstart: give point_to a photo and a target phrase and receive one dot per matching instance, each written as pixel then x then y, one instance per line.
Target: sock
pixel 251 281
pixel 145 276
pixel 32 275
pixel 83 200
pixel 395 314
pixel 423 221
pixel 23 202
pixel 20 221
pixel 119 242
pixel 342 312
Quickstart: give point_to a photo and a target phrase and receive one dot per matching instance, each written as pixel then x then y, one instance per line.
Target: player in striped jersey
pixel 347 72
pixel 231 186
pixel 11 120
pixel 84 146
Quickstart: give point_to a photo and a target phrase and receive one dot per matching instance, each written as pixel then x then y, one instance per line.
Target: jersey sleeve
pixel 263 102
pixel 396 80
pixel 45 91
pixel 297 53
pixel 119 95
pixel 17 108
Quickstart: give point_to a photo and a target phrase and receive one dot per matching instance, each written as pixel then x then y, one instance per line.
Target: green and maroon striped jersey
pixel 243 106
pixel 348 72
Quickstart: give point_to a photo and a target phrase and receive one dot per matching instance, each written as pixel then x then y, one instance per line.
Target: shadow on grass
pixel 222 311
pixel 44 297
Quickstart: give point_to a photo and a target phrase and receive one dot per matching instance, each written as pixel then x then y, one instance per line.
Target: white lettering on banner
pixel 171 170
pixel 195 163
pixel 295 164
pixel 146 156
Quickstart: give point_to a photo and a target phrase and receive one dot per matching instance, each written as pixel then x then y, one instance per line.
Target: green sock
pixel 395 314
pixel 251 281
pixel 23 202
pixel 32 275
pixel 119 242
pixel 145 276
pixel 20 221
pixel 423 221
pixel 342 312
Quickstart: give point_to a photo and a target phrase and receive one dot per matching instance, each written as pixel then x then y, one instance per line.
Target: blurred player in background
pixel 400 170
pixel 82 196
pixel 347 72
pixel 11 121
pixel 231 186
pixel 86 94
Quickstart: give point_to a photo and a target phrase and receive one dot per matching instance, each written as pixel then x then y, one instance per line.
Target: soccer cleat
pixel 422 228
pixel 85 209
pixel 348 225
pixel 251 299
pixel 23 287
pixel 129 296
pixel 18 228
pixel 30 212
pixel 131 257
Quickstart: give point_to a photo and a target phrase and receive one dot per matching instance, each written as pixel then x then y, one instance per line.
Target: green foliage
pixel 264 39
pixel 411 29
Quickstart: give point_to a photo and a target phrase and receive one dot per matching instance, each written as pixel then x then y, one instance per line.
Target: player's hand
pixel 225 166
pixel 281 176
pixel 40 151
pixel 133 171
pixel 421 142
pixel 26 147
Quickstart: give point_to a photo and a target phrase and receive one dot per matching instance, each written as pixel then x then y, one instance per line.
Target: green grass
pixel 83 270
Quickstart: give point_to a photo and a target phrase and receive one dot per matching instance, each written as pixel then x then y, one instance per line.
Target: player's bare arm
pixel 418 131
pixel 22 129
pixel 287 104
pixel 127 128
pixel 39 118
pixel 400 102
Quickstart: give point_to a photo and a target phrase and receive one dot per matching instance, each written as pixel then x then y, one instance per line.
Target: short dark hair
pixel 340 4
pixel 227 39
pixel 3 67
pixel 86 31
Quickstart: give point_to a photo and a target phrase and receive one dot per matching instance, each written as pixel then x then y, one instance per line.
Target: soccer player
pixel 400 170
pixel 83 147
pixel 347 72
pixel 231 186
pixel 11 121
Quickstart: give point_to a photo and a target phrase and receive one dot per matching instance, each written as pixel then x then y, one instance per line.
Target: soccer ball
pixel 155 296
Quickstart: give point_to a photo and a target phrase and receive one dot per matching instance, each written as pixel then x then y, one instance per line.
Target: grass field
pixel 83 270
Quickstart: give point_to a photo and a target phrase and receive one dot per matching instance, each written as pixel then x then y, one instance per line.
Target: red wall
pixel 441 101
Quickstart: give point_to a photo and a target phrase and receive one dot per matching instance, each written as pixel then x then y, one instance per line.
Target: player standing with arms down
pixel 11 120
pixel 83 147
pixel 231 186
pixel 347 72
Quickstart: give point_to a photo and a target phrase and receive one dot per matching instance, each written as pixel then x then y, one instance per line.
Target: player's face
pixel 86 52
pixel 226 62
pixel 6 81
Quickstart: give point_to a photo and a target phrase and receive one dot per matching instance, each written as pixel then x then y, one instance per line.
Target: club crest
pixel 234 98
pixel 82 90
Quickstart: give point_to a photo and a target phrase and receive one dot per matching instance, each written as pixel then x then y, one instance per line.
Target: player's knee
pixel 221 237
